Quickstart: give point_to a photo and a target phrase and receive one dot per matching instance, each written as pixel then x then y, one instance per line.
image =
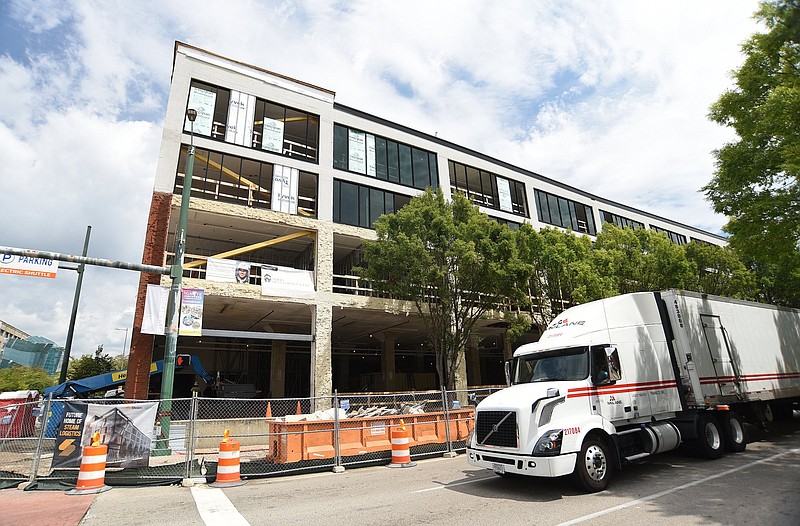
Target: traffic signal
pixel 182 360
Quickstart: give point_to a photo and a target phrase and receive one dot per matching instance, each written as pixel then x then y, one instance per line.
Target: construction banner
pixel 126 429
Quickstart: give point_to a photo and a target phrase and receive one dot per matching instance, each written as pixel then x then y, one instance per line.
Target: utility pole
pixel 71 331
pixel 174 302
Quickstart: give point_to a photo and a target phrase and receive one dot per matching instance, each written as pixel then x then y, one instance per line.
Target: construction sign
pixel 126 429
pixel 27 266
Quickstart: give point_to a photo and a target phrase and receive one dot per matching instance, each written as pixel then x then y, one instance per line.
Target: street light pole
pixel 124 341
pixel 174 303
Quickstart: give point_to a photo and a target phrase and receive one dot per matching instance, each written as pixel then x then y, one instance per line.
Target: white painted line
pixel 215 508
pixel 673 490
pixel 445 486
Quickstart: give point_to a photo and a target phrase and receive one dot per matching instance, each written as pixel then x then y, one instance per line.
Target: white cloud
pixel 610 96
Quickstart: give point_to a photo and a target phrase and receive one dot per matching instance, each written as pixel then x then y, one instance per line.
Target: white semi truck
pixel 630 376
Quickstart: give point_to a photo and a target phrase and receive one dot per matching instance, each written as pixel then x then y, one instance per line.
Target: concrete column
pixel 321 373
pixel 388 367
pixel 277 369
pixel 461 371
pixel 508 352
pixel 473 361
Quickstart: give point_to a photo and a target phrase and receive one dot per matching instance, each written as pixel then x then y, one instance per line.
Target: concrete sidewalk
pixel 42 508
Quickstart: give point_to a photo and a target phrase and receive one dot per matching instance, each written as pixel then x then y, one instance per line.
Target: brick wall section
pixel 155 246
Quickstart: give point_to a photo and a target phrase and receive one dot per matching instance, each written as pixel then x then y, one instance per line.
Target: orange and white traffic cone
pixel 299 411
pixel 401 455
pixel 228 464
pixel 92 474
pixel 269 410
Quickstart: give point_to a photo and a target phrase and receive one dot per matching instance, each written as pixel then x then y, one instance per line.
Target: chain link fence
pixel 41 441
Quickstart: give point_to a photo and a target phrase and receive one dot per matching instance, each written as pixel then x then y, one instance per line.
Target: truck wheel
pixel 709 443
pixel 593 466
pixel 733 431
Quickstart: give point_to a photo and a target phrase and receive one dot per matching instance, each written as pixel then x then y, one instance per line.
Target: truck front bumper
pixel 503 463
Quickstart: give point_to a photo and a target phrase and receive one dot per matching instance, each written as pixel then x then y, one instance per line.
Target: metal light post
pixel 124 341
pixel 174 304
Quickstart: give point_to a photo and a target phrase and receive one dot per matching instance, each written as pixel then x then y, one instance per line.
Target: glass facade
pixel 559 211
pixel 234 179
pixel 487 189
pixel 678 239
pixel 239 118
pixel 620 221
pixel 367 154
pixel 359 205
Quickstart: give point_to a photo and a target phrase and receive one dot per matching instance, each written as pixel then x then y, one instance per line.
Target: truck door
pixel 725 370
pixel 608 399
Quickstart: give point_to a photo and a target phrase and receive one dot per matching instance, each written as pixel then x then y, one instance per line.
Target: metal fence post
pixel 37 455
pixel 190 445
pixel 449 453
pixel 337 462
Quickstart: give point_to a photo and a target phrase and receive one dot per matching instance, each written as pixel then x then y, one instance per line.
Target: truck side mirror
pixel 507 366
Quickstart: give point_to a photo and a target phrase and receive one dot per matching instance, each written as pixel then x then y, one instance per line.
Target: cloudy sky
pixel 610 96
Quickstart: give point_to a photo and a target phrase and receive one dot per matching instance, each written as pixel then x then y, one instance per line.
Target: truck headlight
pixel 549 444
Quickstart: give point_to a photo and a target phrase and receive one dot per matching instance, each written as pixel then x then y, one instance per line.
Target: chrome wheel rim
pixel 713 438
pixel 596 465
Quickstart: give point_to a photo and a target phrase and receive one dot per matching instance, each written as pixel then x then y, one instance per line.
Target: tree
pixel 719 271
pixel 452 261
pixel 640 260
pixel 87 365
pixel 561 272
pixel 19 378
pixel 756 179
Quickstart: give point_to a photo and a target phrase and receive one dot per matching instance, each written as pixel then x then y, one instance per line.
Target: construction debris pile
pixel 361 412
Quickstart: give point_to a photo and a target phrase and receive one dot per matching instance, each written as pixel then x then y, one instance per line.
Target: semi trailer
pixel 622 378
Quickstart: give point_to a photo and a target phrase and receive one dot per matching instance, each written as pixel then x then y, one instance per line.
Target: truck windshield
pixel 564 364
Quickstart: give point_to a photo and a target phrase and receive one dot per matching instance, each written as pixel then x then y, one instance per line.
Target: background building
pixel 290 182
pixel 19 348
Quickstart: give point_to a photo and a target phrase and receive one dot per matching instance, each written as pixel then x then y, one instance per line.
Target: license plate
pixel 500 469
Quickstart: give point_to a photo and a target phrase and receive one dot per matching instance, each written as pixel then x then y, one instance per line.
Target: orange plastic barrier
pixel 228 465
pixel 92 474
pixel 313 440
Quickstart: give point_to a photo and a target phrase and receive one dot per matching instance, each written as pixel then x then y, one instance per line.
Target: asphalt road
pixel 759 486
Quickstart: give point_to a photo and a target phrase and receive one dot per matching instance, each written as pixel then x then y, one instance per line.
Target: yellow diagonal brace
pixel 250 248
pixel 230 173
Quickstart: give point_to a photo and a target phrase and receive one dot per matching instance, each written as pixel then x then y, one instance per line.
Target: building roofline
pixel 521 171
pixel 179 44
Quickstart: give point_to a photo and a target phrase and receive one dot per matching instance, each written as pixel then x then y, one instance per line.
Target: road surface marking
pixel 673 490
pixel 215 508
pixel 445 486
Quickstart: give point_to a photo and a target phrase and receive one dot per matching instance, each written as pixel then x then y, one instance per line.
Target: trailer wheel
pixel 593 466
pixel 733 431
pixel 709 443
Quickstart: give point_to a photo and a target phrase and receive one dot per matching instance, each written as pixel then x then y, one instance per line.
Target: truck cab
pixel 589 394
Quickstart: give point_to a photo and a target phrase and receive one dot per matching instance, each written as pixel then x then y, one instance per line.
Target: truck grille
pixel 496 428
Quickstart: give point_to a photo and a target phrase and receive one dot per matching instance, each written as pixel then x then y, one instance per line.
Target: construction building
pixel 286 185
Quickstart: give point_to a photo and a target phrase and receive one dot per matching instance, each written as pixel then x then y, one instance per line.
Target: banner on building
pixel 155 310
pixel 286 281
pixel 202 101
pixel 227 271
pixel 272 139
pixel 241 112
pixel 126 429
pixel 371 155
pixel 284 189
pixel 356 151
pixel 191 319
pixel 504 194
pixel 26 266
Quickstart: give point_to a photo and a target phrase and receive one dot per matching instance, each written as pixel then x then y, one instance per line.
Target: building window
pixel 374 156
pixel 359 205
pixel 622 222
pixel 240 118
pixel 678 239
pixel 234 179
pixel 488 190
pixel 558 211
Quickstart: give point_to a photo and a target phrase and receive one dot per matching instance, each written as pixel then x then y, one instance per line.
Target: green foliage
pixel 452 261
pixel 87 366
pixel 561 272
pixel 640 260
pixel 756 181
pixel 21 378
pixel 718 270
